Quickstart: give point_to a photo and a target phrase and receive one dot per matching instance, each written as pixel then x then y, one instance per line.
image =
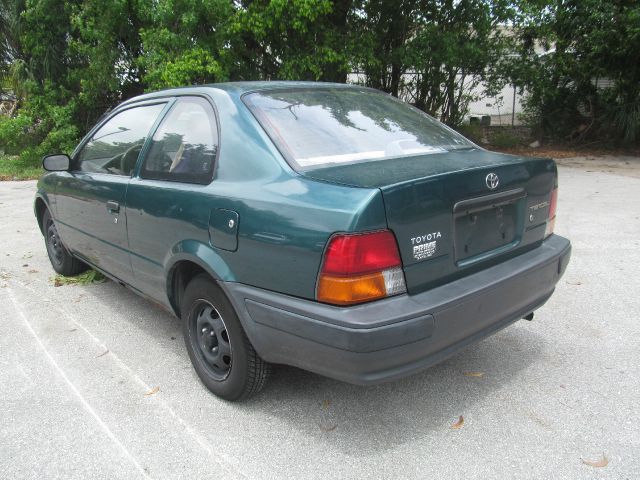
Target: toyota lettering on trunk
pixel 424 246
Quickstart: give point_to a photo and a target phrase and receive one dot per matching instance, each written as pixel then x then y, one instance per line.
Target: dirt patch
pixel 563 151
pixel 619 165
pixel 621 161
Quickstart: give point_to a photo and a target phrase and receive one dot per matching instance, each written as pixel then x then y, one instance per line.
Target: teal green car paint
pixel 284 219
pixel 260 228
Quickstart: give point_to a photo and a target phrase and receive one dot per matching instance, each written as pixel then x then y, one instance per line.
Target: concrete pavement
pixel 77 361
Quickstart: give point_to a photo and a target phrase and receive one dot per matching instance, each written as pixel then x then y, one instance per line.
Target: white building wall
pixel 499 108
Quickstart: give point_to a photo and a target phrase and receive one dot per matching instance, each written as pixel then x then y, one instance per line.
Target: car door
pixel 169 200
pixel 90 197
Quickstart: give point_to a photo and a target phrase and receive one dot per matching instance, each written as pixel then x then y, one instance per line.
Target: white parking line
pixel 71 386
pixel 199 439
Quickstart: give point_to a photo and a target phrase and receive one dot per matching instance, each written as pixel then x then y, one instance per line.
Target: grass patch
pixel 85 278
pixel 504 139
pixel 12 168
pixel 472 131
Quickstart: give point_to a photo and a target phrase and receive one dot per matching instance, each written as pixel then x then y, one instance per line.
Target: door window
pixel 115 147
pixel 184 147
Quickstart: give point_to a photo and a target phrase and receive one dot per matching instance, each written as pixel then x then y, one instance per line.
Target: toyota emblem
pixel 492 181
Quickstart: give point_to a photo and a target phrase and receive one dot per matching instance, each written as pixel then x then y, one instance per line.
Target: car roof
pixel 237 89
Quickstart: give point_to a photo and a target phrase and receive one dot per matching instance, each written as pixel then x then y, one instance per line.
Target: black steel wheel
pixel 61 260
pixel 211 339
pixel 218 347
pixel 54 245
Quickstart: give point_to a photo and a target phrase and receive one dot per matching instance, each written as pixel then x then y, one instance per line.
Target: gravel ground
pixel 79 366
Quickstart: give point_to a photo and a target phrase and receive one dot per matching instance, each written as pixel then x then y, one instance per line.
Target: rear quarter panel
pixel 284 219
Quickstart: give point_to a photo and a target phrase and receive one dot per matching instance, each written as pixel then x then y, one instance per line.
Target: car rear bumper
pixel 395 337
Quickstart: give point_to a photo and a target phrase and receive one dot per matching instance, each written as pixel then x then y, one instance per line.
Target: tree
pixel 292 39
pixel 10 26
pixel 432 53
pixel 587 82
pixel 186 43
pixel 70 60
pixel 385 29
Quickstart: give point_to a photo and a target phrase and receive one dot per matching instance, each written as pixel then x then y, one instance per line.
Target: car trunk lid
pixel 458 212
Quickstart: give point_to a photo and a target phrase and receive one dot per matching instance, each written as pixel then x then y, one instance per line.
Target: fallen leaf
pixel 327 429
pixel 603 462
pixel 325 403
pixel 25 265
pixel 473 374
pixel 153 391
pixel 459 423
pixel 57 283
pixel 103 353
pixel 33 271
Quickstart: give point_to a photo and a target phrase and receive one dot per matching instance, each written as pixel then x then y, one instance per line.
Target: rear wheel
pixel 219 349
pixel 61 260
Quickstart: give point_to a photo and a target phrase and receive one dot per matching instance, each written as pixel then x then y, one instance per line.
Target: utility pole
pixel 513 107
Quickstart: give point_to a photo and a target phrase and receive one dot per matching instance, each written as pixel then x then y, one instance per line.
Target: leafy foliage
pixel 587 83
pixel 184 43
pixel 85 278
pixel 69 61
pixel 293 39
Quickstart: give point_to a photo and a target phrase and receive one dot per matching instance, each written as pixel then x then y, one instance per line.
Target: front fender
pixel 40 203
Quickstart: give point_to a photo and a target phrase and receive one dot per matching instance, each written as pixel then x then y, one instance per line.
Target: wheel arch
pixel 189 259
pixel 39 207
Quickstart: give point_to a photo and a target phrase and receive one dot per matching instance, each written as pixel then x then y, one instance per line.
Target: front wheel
pixel 219 349
pixel 61 260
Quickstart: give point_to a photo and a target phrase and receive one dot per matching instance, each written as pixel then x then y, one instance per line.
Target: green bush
pixel 32 140
pixel 12 168
pixel 16 133
pixel 45 124
pixel 505 139
pixel 472 131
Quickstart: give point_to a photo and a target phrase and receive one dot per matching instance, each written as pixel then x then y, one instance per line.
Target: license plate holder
pixel 485 224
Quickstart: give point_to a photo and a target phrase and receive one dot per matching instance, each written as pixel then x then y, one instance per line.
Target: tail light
pixel 359 268
pixel 551 221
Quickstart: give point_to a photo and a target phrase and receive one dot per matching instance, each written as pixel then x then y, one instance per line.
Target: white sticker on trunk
pixel 420 252
pixel 424 246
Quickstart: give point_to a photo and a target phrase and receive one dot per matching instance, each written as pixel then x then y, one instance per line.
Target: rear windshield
pixel 315 128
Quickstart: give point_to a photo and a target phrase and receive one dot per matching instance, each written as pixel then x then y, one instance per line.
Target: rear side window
pixel 115 147
pixel 315 128
pixel 184 147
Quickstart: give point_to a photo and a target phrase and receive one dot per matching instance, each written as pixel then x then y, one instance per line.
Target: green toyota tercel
pixel 325 226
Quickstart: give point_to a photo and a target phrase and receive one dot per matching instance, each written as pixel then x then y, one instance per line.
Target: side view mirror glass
pixel 56 163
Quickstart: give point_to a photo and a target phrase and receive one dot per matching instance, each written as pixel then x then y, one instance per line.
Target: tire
pixel 220 351
pixel 61 260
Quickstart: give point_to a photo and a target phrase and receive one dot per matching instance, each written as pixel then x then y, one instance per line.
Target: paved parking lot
pixel 77 361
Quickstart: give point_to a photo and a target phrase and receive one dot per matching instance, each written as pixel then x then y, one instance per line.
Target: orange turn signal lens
pixel 351 290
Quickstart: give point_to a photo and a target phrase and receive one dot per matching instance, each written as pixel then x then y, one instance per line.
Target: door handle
pixel 113 207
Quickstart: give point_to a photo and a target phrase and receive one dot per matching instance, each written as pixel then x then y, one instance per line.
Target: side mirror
pixel 56 163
